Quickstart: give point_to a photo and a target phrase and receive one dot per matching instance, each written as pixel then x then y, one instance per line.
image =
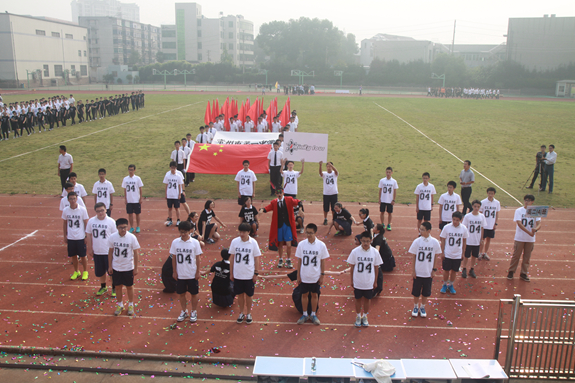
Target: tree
pixel 108 78
pixel 119 80
pixel 136 79
pixel 453 67
pixel 226 57
pixel 160 57
pixel 134 57
pixel 129 77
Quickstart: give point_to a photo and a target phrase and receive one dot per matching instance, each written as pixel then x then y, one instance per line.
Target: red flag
pixel 208 115
pixel 215 110
pixel 261 107
pixel 253 113
pixel 227 159
pixel 225 112
pixel 269 112
pixel 242 113
pixel 284 118
pixel 247 104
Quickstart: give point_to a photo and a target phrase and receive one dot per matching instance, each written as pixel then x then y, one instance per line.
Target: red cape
pixel 273 206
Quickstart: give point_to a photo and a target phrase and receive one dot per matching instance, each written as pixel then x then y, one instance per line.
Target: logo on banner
pixel 294 146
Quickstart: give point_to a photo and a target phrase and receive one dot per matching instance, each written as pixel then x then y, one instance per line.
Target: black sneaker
pixel 510 275
pixel 325 222
pixel 472 273
pixel 464 273
pixel 524 277
pixel 280 263
pixel 240 318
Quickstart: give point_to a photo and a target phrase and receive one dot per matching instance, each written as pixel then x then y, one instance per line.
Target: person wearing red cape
pixel 283 229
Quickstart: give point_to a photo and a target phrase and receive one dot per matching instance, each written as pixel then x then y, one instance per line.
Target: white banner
pixel 241 138
pixel 310 146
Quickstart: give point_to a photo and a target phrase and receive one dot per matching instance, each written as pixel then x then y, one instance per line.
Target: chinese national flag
pixel 208 116
pixel 227 159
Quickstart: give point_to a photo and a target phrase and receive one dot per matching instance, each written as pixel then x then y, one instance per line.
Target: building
pixel 111 8
pixel 39 52
pixel 199 39
pixel 114 41
pixel 565 88
pixel 401 48
pixel 541 43
pixel 480 55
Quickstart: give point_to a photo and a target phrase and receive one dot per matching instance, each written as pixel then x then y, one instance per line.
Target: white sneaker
pixel 193 316
pixel 182 316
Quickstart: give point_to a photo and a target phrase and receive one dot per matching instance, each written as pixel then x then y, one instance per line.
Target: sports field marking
pixel 21 239
pixel 98 131
pixel 459 159
pixel 256 323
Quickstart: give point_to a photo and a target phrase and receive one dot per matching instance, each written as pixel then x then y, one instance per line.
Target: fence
pixel 540 338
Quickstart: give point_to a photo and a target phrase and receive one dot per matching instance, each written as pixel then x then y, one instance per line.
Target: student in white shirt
pixel 123 261
pixel 549 162
pixel 133 197
pixel 261 127
pixel 179 156
pixel 490 208
pixel 425 250
pixel 78 187
pixel 475 223
pixel 189 177
pixel 75 218
pixel 525 231
pixel 453 241
pixel 244 269
pixel 246 181
pixel 248 125
pixel 365 261
pixel 174 183
pixel 98 231
pixel 202 138
pixel 276 125
pixel 65 165
pixel 387 194
pixel 449 203
pixel 329 188
pixel 185 252
pixel 424 199
pixel 290 177
pixel 103 191
pixel 211 131
pixel 275 158
pixel 311 254
pixel 64 203
pixel 292 124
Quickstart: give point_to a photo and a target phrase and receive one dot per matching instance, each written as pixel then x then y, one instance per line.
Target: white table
pixel 360 373
pixel 438 369
pixel 330 367
pixel 490 366
pixel 276 366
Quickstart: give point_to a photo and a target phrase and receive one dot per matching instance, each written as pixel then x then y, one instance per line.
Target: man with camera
pixel 549 162
pixel 540 166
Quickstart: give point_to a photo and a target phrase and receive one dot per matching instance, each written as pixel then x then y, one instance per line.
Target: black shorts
pixel 442 224
pixel 244 286
pixel 182 198
pixel 187 285
pixel 488 233
pixel 76 247
pixel 298 223
pixel 368 294
pixel 329 202
pixel 424 215
pixel 208 230
pixel 100 264
pixel 133 208
pixel 173 203
pixel 346 226
pixel 421 286
pixel 449 264
pixel 471 250
pixel 385 207
pixel 123 278
pixel 309 288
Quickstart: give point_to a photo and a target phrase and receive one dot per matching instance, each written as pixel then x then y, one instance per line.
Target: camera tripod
pixel 541 172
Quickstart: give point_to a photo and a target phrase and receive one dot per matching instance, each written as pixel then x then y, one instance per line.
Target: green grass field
pixel 500 137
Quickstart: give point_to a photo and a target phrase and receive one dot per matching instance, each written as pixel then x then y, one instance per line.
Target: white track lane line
pixel 21 239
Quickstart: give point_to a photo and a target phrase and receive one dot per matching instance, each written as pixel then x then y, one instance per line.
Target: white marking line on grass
pixel 21 239
pixel 459 159
pixel 171 319
pixel 98 131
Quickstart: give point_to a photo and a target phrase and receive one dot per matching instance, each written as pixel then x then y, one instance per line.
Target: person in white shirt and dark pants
pixel 549 162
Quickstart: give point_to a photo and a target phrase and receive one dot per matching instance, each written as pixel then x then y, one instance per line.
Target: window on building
pixel 58 70
pixel 199 22
pixel 46 71
pixel 73 69
pixel 84 37
pixel 222 34
pixel 231 35
pixel 230 24
pixel 169 45
pixel 230 46
pixel 168 33
pixel 83 70
pixel 199 45
pixel 79 53
pixel 55 34
pixel 199 57
pixel 199 33
pixel 84 53
pixel 69 36
pixel 40 32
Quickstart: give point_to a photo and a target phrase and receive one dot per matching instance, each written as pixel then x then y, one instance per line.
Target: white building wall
pixel 109 8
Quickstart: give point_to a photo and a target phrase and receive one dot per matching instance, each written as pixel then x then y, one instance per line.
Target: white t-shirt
pixel 123 253
pixel 173 181
pixel 248 126
pixel 243 254
pixel 387 187
pixel 290 181
pixel 75 220
pixel 132 186
pixel 329 183
pixel 246 180
pixel 101 231
pixel 261 128
pixel 181 156
pixel 474 224
pixel 202 138
pixel 275 158
pixel 528 222
pixel 64 203
pixel 65 161
pixel 276 126
pixel 425 194
pixel 79 189
pixel 425 249
pixel 364 270
pixel 490 210
pixel 186 253
pixel 102 191
pixel 449 207
pixel 187 152
pixel 311 255
pixel 454 237
pixel 293 126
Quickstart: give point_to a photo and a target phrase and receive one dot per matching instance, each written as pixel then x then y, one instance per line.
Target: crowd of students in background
pixel 475 93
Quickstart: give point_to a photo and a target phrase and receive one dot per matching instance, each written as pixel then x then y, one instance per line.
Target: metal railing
pixel 540 340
